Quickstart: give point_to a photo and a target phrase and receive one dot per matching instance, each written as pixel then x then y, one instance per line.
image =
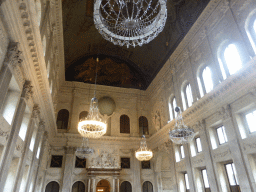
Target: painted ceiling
pixel 121 66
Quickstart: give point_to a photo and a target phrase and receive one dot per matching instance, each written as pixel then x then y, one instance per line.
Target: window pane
pixel 222 135
pixel 198 144
pixel 251 121
pixel 189 95
pixel 230 174
pixel 200 87
pixel 232 58
pixel 222 69
pixel 205 177
pixel 207 77
pixel 186 181
pixel 182 152
pixel 234 171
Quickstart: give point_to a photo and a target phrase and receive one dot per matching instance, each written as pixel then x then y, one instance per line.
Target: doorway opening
pixel 103 186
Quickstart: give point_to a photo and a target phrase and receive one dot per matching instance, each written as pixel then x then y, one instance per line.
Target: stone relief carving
pixel 198 161
pixel 105 160
pixel 221 154
pixel 4 134
pixel 250 145
pixel 199 126
pixel 225 112
pixel 157 120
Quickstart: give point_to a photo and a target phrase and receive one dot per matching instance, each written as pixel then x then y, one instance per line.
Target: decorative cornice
pixel 4 134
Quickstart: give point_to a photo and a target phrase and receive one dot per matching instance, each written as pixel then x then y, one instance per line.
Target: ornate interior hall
pixel 58 72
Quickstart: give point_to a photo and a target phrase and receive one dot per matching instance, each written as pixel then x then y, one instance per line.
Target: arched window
pixel 250 27
pixel 78 187
pixel 124 124
pixel 143 124
pixel 62 119
pixel 172 106
pixel 205 81
pixel 126 187
pixel 187 97
pixel 83 115
pixel 230 60
pixel 147 186
pixel 53 186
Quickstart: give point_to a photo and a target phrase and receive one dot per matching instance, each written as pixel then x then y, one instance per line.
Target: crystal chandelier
pixel 129 22
pixel 181 134
pixel 143 153
pixel 84 150
pixel 93 126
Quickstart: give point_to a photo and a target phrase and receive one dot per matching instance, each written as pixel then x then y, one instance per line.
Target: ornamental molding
pixel 198 161
pixel 199 126
pixel 225 112
pixel 249 145
pixel 105 160
pixel 41 126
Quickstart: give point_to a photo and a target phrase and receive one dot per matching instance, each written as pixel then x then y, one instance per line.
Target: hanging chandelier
pixel 143 153
pixel 181 134
pixel 83 151
pixel 93 126
pixel 129 22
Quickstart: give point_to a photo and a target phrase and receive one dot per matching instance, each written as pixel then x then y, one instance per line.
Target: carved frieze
pixel 36 111
pixel 4 134
pixel 105 160
pixel 27 90
pixel 221 154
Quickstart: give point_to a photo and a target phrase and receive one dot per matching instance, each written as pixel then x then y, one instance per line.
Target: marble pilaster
pixel 67 175
pixel 207 156
pixel 38 139
pixel 189 168
pixel 235 149
pixel 31 127
pixel 136 174
pixel 11 143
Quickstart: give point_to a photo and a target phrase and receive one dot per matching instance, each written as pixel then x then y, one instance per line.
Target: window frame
pixel 251 33
pixel 200 80
pixel 234 175
pixel 182 155
pixel 186 182
pixel 173 115
pixel 203 181
pixel 184 95
pixel 247 127
pixel 198 137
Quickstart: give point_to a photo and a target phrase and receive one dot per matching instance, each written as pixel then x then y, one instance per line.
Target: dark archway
pixel 78 187
pixel 62 119
pixel 147 186
pixel 53 186
pixel 126 187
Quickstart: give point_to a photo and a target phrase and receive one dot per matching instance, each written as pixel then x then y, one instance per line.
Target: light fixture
pixel 143 153
pixel 83 151
pixel 93 126
pixel 130 22
pixel 181 134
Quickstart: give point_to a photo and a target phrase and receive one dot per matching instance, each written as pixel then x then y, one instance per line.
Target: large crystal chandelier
pixel 181 134
pixel 93 126
pixel 143 153
pixel 129 22
pixel 83 151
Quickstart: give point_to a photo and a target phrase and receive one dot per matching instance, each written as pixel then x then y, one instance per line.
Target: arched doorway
pixel 53 186
pixel 126 187
pixel 78 187
pixel 103 186
pixel 147 187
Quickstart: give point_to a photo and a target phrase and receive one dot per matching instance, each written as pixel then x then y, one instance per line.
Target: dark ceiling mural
pixel 111 72
pixel 81 39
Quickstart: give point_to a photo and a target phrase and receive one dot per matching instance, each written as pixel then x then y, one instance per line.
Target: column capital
pixel 27 90
pixel 13 58
pixel 36 111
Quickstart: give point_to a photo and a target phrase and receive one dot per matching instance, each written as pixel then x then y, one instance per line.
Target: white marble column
pixel 12 57
pixel 11 143
pixel 37 178
pixel 236 151
pixel 189 168
pixel 24 156
pixel 116 185
pixel 91 184
pixel 207 156
pixel 68 169
pixel 39 137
